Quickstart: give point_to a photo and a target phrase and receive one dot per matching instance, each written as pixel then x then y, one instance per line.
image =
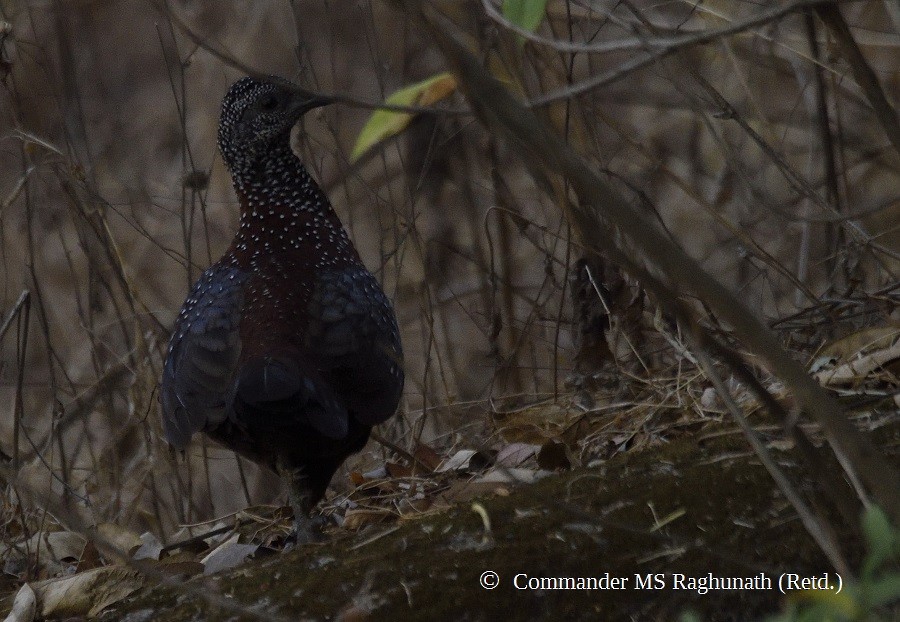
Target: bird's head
pixel 256 114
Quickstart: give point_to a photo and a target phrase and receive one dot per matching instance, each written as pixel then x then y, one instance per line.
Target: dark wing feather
pixel 353 329
pixel 275 393
pixel 203 355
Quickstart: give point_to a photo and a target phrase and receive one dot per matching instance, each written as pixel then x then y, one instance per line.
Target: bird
pixel 286 350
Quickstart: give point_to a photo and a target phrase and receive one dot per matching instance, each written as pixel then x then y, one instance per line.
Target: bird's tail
pixel 276 391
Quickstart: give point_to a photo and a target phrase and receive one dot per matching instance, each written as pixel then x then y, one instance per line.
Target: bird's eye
pixel 269 102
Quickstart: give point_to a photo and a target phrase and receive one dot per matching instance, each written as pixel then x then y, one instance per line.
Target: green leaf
pixel 385 123
pixel 882 591
pixel 881 539
pixel 526 14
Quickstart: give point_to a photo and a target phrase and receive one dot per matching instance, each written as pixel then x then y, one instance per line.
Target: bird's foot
pixel 306 530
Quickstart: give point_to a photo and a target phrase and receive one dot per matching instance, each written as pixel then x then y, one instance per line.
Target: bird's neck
pixel 278 178
pixel 283 208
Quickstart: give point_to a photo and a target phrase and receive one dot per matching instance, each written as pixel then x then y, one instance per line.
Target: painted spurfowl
pixel 286 350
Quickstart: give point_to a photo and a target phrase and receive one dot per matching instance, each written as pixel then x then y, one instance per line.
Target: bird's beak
pixel 304 101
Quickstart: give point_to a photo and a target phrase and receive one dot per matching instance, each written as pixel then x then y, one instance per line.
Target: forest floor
pixel 698 506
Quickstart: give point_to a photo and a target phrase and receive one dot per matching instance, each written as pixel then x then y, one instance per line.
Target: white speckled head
pixel 256 113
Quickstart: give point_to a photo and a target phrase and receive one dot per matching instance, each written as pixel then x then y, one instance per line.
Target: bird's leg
pixel 306 528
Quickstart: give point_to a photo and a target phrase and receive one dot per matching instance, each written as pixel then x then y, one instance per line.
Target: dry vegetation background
pixel 113 199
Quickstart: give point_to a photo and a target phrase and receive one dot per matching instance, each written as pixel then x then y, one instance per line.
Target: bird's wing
pixel 203 355
pixel 353 331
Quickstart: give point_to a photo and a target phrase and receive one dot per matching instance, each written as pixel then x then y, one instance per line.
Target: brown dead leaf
pixel 395 469
pixel 151 547
pixel 379 473
pixel 227 555
pixel 186 537
pixel 435 506
pixel 86 593
pixel 709 399
pixel 115 540
pixel 497 481
pixel 181 564
pixel 515 454
pixel 461 492
pixel 468 461
pixel 857 369
pixel 781 444
pixel 24 605
pixel 90 557
pixel 414 507
pixel 52 548
pixel 553 456
pixel 427 457
pixel 355 519
pixel 511 476
pixel 861 341
pixel 456 462
pixel 65 545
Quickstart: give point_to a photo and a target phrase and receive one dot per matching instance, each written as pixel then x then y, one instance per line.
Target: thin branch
pixel 233 62
pixel 862 72
pixel 817 528
pixel 667 45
